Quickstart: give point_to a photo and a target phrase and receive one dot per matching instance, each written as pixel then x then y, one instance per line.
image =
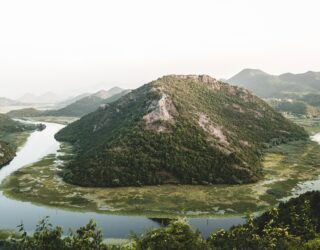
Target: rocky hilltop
pixel 190 129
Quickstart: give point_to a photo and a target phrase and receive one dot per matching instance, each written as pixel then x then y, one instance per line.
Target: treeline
pixel 8 129
pixel 293 225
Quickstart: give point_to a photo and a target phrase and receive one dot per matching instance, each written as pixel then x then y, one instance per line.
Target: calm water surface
pixel 13 212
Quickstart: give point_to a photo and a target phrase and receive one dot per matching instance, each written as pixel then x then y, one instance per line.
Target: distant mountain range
pixel 186 129
pixel 77 106
pixel 48 97
pixel 277 86
pixel 8 102
pixel 88 103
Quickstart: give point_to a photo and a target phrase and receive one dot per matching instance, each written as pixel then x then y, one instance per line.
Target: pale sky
pixel 66 46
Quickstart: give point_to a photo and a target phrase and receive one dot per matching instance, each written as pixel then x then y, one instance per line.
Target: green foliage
pixel 7 125
pixel 6 153
pixel 301 214
pixel 7 128
pixel 298 108
pixel 311 99
pixel 293 225
pixel 115 146
pixel 51 238
pixel 177 236
pixel 249 236
pixel 295 107
pixel 26 112
pixel 312 244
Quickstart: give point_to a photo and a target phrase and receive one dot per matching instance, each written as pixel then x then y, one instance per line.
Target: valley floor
pixel 284 167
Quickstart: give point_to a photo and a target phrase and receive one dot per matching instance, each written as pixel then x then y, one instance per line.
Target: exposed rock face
pixel 213 129
pixel 160 110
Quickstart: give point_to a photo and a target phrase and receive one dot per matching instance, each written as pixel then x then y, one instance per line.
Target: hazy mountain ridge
pixel 177 129
pixel 80 107
pixel 9 102
pixel 285 85
pixel 88 104
pixel 46 98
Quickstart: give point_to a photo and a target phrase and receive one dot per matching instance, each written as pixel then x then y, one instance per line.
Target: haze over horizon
pixel 72 46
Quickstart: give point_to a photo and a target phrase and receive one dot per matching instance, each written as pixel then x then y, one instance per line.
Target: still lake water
pixel 13 212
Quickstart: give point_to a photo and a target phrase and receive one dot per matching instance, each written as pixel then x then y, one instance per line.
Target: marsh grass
pixel 284 167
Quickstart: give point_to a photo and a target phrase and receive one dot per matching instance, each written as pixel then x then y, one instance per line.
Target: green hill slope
pixel 6 153
pixel 8 127
pixel 26 112
pixel 177 129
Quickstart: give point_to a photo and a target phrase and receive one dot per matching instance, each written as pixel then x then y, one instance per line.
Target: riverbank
pixel 284 167
pixel 35 190
pixel 63 120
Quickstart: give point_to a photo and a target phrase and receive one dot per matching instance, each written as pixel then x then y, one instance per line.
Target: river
pixel 306 186
pixel 13 212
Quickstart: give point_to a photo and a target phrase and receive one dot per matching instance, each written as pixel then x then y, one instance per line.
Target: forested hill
pixel 6 153
pixel 7 128
pixel 178 129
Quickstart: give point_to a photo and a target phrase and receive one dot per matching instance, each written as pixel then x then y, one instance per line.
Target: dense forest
pixel 293 225
pixel 297 107
pixel 177 129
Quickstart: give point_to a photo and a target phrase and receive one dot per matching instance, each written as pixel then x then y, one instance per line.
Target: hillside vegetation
pixel 8 127
pixel 26 112
pixel 178 129
pixel 295 107
pixel 6 153
pixel 296 94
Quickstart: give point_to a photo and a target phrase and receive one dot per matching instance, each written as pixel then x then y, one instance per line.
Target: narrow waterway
pixel 13 212
pixel 313 185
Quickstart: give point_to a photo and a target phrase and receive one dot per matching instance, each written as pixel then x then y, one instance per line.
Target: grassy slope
pixel 115 148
